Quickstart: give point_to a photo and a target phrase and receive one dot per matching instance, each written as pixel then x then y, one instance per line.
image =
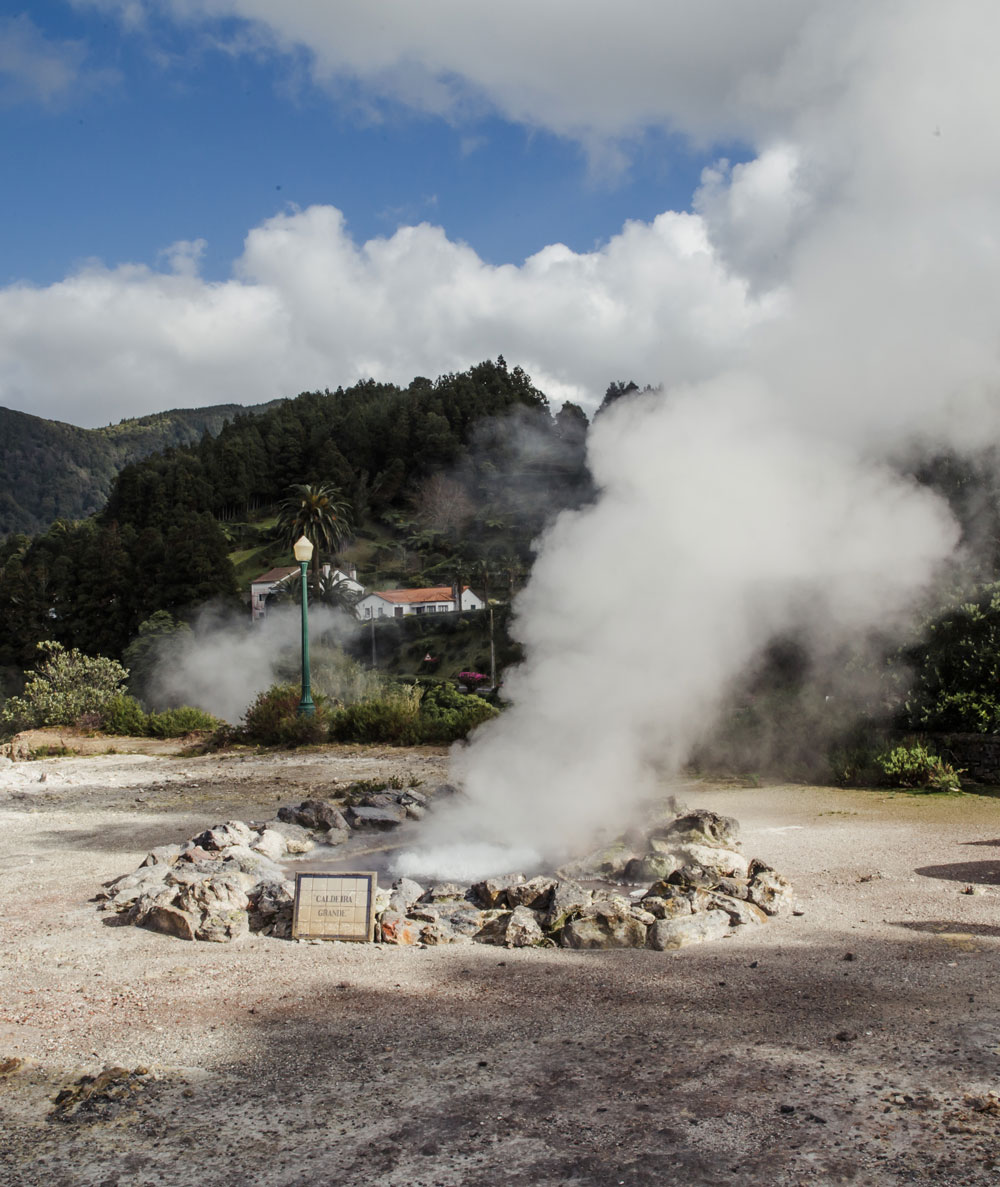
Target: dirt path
pixel 857 1044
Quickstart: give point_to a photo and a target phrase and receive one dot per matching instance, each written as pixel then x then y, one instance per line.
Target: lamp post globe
pixel 303 550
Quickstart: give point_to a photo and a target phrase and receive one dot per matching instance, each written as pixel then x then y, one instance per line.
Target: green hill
pixel 50 470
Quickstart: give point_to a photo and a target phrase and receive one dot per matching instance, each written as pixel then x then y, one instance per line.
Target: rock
pixel 376 818
pixel 702 827
pixel 769 890
pixel 415 811
pixel 443 891
pixel 378 799
pixel 653 866
pixel 705 865
pixel 412 798
pixel 444 790
pixel 644 916
pixel 492 892
pixel 249 861
pixel 465 919
pixel 438 932
pixel 297 839
pixel 222 836
pixel 739 911
pixel 169 920
pixel 335 836
pixel 221 903
pixel 407 890
pixel 199 856
pixel 604 923
pixel 536 893
pixel 568 898
pixel 127 889
pixel 162 855
pixel 523 929
pixel 693 929
pixel 271 844
pixel 270 908
pixel 667 908
pixel 494 926
pixel 397 929
pixel 319 815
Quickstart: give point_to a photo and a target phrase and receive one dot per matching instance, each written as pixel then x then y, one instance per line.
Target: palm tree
pixel 318 512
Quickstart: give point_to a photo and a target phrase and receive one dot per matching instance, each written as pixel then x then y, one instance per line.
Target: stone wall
pixel 978 755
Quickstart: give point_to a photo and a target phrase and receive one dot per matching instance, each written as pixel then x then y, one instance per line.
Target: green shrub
pixel 408 716
pixel 447 715
pixel 125 716
pixel 185 719
pixel 913 765
pixel 66 687
pixel 273 719
pixel 393 717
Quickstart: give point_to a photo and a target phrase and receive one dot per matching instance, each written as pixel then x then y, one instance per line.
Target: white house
pixel 395 603
pixel 274 579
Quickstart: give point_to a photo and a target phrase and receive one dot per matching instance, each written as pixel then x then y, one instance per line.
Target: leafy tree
pixel 66 686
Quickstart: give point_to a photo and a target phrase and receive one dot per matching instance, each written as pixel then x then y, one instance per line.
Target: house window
pixel 381 611
pixel 368 612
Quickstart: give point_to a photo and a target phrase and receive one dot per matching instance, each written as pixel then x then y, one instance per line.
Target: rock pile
pixel 694 884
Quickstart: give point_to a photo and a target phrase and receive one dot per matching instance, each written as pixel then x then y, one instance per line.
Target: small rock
pixel 536 893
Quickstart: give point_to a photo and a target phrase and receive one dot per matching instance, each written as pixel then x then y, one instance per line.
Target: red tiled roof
pixel 436 593
pixel 273 576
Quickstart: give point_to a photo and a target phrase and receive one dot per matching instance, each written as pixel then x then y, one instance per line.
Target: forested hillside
pixel 50 470
pixel 442 478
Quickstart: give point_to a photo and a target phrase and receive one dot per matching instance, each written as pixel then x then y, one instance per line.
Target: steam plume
pixel 765 500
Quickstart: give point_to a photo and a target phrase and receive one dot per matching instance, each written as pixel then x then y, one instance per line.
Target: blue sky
pixel 213 201
pixel 163 137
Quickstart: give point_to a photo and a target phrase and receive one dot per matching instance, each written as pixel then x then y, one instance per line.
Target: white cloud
pixel 310 308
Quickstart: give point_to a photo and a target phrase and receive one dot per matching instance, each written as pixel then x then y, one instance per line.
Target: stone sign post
pixel 335 906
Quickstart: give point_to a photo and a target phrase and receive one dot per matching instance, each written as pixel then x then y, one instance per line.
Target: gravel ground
pixel 856 1044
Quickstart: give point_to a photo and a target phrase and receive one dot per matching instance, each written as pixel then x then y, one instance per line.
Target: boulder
pixel 523 929
pixel 319 815
pixel 692 929
pixel 768 890
pixel 672 907
pixel 271 844
pixel 162 855
pixel 395 928
pixel 739 911
pixel 568 898
pixel 651 867
pixel 702 828
pixel 412 798
pixel 376 818
pixel 494 926
pixel 604 923
pixel 168 919
pixel 492 892
pixel 464 919
pixel 270 908
pixel 706 865
pixel 536 893
pixel 297 839
pixel 222 836
pixel 405 892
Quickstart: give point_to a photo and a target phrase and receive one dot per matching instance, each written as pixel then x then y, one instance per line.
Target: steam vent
pixel 680 881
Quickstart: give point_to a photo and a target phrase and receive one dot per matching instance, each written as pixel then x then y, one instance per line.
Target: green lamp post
pixel 303 551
